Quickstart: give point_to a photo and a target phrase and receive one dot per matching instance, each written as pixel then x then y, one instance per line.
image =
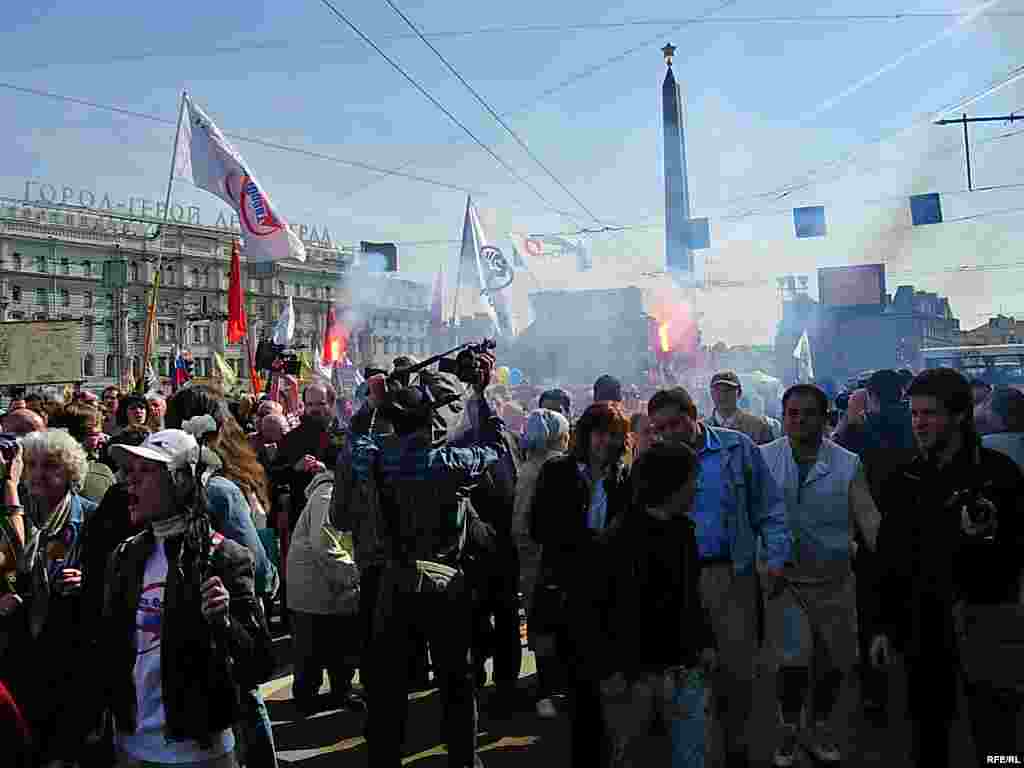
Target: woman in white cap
pixel 183 630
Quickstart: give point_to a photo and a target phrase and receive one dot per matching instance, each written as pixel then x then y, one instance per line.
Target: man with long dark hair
pixel 950 543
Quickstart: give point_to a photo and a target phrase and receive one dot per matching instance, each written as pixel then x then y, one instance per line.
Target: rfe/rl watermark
pixel 1003 760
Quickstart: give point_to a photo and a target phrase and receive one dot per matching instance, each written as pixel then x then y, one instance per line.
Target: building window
pixel 133 272
pixel 89 366
pixel 15 293
pixel 40 315
pixel 41 296
pixel 40 263
pixel 136 330
pixel 87 268
pixel 16 258
pixel 89 329
pixel 204 304
pixel 17 315
pixel 65 297
pixel 168 275
pixel 207 278
pixel 65 267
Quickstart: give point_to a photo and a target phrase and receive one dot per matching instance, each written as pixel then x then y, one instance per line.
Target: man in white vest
pixel 812 627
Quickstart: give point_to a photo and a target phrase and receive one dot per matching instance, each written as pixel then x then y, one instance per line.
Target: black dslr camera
pixel 980 511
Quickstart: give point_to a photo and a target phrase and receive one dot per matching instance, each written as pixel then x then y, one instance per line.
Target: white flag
pixel 284 328
pixel 802 353
pixel 206 157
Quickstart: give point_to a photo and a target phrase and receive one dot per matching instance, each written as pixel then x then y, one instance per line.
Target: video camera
pixel 276 357
pixel 406 404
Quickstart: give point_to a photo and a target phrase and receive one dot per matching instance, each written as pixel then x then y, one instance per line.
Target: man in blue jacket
pixel 738 507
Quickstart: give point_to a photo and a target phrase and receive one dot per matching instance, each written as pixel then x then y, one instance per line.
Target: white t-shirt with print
pixel 148 743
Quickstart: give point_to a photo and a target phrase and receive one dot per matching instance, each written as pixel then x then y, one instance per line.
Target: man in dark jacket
pixel 183 629
pixel 309 448
pixel 951 539
pixel 885 443
pixel 408 533
pixel 646 634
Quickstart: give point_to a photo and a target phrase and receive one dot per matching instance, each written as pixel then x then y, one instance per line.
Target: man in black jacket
pixel 646 634
pixel 951 538
pixel 183 630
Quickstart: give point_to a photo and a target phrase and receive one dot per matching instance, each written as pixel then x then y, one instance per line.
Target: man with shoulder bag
pixel 949 577
pixel 404 496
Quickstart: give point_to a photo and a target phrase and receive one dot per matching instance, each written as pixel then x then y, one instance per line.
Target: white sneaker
pixel 546 709
pixel 785 754
pixel 822 745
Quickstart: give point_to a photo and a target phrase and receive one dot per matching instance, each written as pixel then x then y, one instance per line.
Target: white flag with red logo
pixel 209 160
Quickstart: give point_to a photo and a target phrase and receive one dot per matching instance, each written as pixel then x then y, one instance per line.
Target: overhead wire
pixel 516 29
pixel 255 141
pixel 493 113
pixel 577 77
pixel 430 97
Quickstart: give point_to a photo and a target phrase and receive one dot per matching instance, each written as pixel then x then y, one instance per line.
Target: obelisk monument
pixel 678 256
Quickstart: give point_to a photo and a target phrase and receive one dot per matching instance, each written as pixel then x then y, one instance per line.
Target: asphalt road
pixel 334 738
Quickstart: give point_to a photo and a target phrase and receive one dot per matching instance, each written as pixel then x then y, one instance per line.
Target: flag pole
pixel 147 348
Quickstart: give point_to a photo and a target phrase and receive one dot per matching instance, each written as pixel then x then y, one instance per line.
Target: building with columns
pixel 52 265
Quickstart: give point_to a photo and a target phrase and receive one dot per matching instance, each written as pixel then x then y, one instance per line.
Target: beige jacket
pixel 308 591
pixel 522 520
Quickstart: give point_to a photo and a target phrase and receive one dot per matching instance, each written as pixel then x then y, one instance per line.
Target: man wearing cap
pixel 726 391
pixel 182 624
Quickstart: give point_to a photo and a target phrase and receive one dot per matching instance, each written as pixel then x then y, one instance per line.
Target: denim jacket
pixel 753 505
pixel 233 518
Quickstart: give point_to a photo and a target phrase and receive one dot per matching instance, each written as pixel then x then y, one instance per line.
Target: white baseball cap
pixel 172 447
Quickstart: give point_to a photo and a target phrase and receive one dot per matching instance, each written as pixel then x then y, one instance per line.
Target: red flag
pixel 334 340
pixel 237 321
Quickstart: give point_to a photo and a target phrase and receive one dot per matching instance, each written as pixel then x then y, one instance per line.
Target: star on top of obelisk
pixel 669 51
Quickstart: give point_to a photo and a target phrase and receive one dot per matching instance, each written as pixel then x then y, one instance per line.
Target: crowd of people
pixel 659 547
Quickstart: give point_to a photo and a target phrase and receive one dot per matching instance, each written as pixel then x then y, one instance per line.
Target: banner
pixel 209 160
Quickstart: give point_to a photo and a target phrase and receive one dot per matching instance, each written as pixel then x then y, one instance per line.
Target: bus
pixel 996 364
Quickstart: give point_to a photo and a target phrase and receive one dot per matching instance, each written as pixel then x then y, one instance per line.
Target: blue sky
pixel 766 102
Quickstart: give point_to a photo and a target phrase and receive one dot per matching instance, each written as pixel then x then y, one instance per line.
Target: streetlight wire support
pixel 964 120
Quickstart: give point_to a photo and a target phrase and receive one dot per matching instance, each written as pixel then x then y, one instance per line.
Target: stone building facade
pixel 52 267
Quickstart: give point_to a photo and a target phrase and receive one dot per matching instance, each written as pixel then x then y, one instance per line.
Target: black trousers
pixel 874 682
pixel 445 618
pixel 324 642
pixel 496 583
pixel 932 698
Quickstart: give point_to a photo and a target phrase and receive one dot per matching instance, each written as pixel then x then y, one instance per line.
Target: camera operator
pixel 950 541
pixel 406 501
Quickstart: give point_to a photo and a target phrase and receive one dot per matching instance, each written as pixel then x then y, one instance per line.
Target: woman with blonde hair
pixel 47 649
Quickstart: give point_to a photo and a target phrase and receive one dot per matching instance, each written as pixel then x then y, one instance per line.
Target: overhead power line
pixel 284 44
pixel 412 81
pixel 581 75
pixel 258 142
pixel 490 110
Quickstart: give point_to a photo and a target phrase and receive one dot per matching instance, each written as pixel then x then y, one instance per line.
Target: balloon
pixel 503 374
pixel 515 377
